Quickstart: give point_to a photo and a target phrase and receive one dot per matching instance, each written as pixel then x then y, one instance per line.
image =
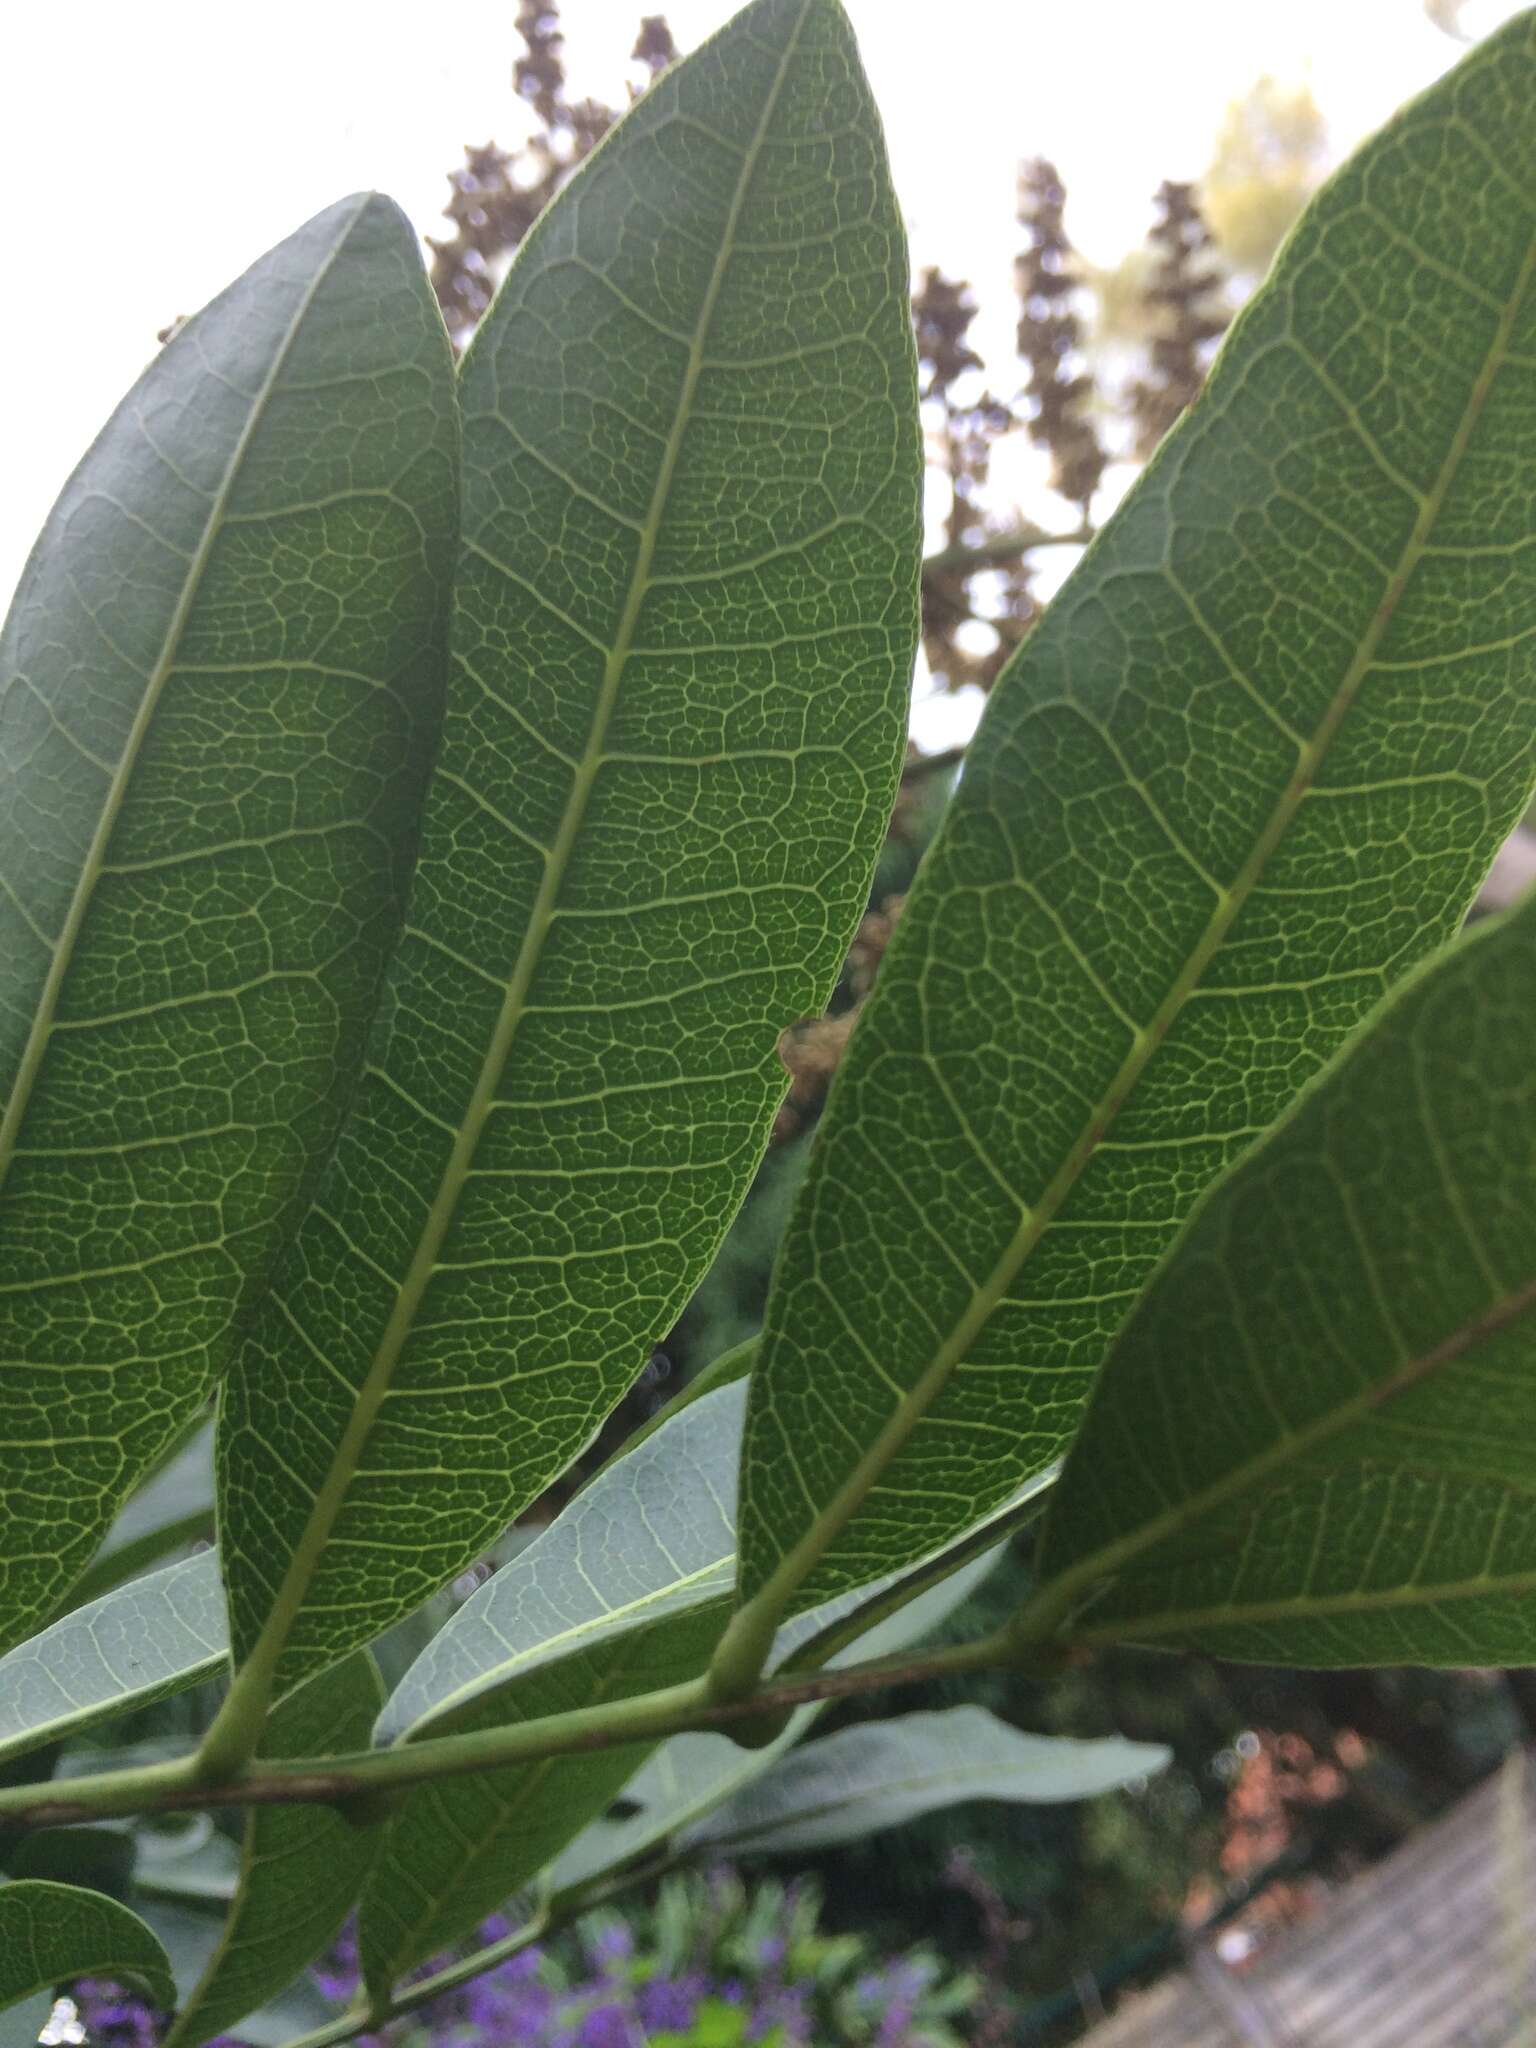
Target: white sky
pixel 149 152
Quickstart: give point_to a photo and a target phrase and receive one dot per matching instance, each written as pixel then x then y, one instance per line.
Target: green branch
pixel 344 1780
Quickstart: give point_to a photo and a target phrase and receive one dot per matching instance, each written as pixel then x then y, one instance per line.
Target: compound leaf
pixel 1314 1442
pixel 1252 765
pixel 218 683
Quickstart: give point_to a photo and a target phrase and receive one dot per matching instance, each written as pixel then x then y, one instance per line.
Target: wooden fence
pixel 1435 1947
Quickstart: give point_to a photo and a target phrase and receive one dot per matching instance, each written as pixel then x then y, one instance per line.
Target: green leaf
pixel 684 625
pixel 302 1867
pixel 1252 765
pixel 628 1590
pixel 218 685
pixel 52 1934
pixel 191 1937
pixel 1314 1442
pixel 724 1371
pixel 134 1645
pixel 170 1511
pixel 885 1773
pixel 688 1776
pixel 650 1540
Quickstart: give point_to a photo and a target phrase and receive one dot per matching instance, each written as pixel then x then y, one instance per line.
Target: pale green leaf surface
pixel 684 625
pixel 302 1867
pixel 628 1590
pixel 1251 766
pixel 1315 1441
pixel 882 1774
pixel 722 1371
pixel 172 1510
pixel 649 1539
pixel 218 683
pixel 51 1934
pixel 136 1644
pixel 687 1777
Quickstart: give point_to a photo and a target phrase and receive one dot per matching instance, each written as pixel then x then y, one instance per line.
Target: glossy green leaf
pixel 302 1868
pixel 882 1774
pixel 1251 766
pixel 52 1934
pixel 1315 1442
pixel 684 624
pixel 627 1591
pixel 218 684
pixel 134 1645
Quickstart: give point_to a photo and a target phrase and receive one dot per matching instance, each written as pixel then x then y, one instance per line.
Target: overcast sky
pixel 149 152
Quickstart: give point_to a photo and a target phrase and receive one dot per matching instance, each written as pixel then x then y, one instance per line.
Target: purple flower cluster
pixel 710 1964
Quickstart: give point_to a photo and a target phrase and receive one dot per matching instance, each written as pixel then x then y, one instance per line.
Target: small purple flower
pixel 667 2005
pixel 609 2026
pixel 614 1944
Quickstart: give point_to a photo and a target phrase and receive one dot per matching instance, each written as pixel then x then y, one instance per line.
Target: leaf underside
pixel 684 621
pixel 218 683
pixel 50 1934
pixel 627 1591
pixel 884 1774
pixel 302 1867
pixel 1251 766
pixel 1314 1442
pixel 134 1645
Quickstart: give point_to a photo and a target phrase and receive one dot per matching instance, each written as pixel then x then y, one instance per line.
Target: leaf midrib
pixel 796 1564
pixel 63 949
pixel 370 1398
pixel 1061 1593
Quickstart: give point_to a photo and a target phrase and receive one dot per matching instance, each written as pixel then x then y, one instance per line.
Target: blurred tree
pixel 1271 154
pixel 1185 315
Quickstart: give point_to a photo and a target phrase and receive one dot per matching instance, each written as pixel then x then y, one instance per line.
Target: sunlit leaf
pixel 218 687
pixel 1252 765
pixel 683 631
pixel 302 1867
pixel 1315 1441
